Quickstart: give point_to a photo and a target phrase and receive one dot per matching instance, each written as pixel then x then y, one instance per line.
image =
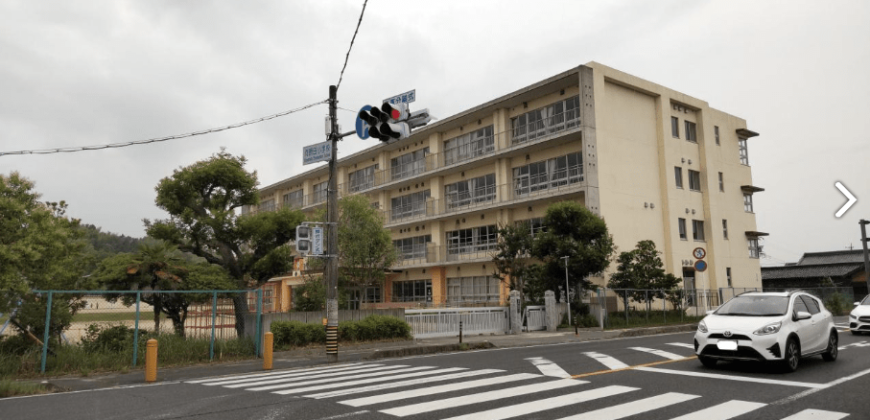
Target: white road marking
pixel 355 413
pixel 634 407
pixel 732 378
pixel 395 396
pixel 546 404
pixel 479 398
pixel 292 383
pixel 281 372
pixel 811 414
pixel 858 344
pixel 827 385
pixel 686 345
pixel 360 382
pixel 723 411
pixel 411 382
pixel 548 368
pixel 662 353
pixel 237 383
pixel 606 360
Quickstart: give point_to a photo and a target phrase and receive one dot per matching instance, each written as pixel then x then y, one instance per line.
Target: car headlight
pixel 769 329
pixel 852 316
pixel 702 327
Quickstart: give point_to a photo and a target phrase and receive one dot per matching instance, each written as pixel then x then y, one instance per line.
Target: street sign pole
pixel 332 236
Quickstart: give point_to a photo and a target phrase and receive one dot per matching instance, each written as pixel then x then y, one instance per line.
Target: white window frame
pixel 681 226
pixel 716 132
pixel 675 127
pixel 294 199
pixel 558 116
pixel 469 146
pixel 754 251
pixel 678 176
pixel 470 192
pixel 319 192
pixel 550 173
pixel 408 205
pixel 477 289
pixel 413 248
pixel 409 164
pixel 691 131
pixel 472 240
pixel 721 182
pixel 725 228
pixel 362 179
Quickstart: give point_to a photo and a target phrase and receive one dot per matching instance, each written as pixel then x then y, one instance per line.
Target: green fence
pixel 189 321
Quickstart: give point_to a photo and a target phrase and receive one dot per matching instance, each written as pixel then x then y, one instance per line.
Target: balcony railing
pixel 559 122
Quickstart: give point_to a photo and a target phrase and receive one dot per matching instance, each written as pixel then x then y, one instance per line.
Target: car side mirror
pixel 710 312
pixel 857 303
pixel 802 315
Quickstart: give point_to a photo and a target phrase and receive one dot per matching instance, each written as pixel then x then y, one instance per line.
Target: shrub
pixel 112 339
pixel 373 327
pixel 295 333
pixel 837 304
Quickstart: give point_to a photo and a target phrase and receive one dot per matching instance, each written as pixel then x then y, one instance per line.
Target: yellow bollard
pixel 267 352
pixel 151 361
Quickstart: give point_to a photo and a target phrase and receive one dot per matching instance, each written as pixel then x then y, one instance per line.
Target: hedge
pixel 373 327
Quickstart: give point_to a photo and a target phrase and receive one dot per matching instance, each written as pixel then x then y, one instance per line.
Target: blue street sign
pixel 700 266
pixel 362 127
pixel 403 98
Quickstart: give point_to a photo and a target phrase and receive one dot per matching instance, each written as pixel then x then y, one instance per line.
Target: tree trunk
pixel 240 307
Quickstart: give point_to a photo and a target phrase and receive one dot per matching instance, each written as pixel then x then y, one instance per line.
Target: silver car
pixel 779 327
pixel 859 318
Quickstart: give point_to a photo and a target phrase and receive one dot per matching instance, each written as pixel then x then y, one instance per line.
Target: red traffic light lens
pixel 395 114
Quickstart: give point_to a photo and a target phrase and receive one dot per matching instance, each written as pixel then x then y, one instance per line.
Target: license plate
pixel 727 345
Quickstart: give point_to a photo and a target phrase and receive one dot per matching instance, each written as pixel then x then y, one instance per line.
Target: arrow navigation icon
pixel 848 195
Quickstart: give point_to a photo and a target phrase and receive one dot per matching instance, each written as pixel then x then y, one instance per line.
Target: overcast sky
pixel 97 72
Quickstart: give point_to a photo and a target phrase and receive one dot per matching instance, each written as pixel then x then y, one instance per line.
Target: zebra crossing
pixel 403 391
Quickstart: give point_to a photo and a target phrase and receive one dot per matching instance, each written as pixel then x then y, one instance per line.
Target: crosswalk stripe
pixel 634 407
pixel 546 404
pixel 361 381
pixel 662 353
pixel 380 387
pixel 548 368
pixel 292 378
pixel 817 415
pixel 281 372
pixel 480 397
pixel 686 345
pixel 278 384
pixel 606 360
pixel 376 399
pixel 723 411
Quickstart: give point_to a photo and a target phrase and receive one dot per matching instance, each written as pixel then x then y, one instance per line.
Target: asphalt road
pixel 635 378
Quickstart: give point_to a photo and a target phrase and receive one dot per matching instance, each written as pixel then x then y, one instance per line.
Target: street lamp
pixel 567 299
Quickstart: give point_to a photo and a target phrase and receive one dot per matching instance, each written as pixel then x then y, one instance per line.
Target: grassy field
pixel 114 316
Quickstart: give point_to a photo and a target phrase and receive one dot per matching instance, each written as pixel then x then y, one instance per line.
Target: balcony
pixel 434 254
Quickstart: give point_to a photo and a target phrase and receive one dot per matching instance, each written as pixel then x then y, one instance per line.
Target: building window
pixel 266 205
pixel 319 194
pixel 698 230
pixel 411 291
pixel 690 132
pixel 716 132
pixel 409 164
pixel 293 199
pixel 412 248
pixel 362 179
pixel 472 289
pixel 725 228
pixel 408 205
pixel 721 182
pixel 550 173
pixel 694 180
pixel 675 127
pixel 754 251
pixel 469 146
pixel 678 175
pixel 560 116
pixel 372 294
pixel 728 275
pixel 744 151
pixel 536 225
pixel 682 225
pixel 477 241
pixel 470 192
pixel 747 203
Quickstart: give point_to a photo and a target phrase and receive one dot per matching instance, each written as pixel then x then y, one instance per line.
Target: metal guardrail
pixel 429 323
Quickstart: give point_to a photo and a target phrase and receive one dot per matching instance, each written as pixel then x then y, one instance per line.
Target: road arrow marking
pixel 848 195
pixel 548 368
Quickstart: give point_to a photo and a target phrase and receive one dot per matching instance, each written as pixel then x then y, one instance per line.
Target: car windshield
pixel 754 306
pixel 866 300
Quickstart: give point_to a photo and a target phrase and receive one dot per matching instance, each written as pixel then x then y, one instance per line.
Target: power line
pixel 346 57
pixel 158 139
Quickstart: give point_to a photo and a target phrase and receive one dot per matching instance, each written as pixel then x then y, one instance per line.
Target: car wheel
pixel 707 361
pixel 792 355
pixel 831 353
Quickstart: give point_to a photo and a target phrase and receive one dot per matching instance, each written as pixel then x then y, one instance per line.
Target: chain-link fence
pixel 838 300
pixel 623 308
pixel 104 327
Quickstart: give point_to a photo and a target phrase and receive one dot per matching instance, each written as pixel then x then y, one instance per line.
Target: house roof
pixel 810 271
pixel 832 257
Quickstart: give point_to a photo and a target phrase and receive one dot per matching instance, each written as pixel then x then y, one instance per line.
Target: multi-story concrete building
pixel 653 162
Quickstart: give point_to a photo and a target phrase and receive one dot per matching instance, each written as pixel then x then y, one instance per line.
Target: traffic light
pixel 387 122
pixel 303 240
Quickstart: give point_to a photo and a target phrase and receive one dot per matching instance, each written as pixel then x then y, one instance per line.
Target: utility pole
pixel 567 299
pixel 864 223
pixel 332 237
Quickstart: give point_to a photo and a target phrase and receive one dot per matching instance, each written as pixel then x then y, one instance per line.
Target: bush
pixel 374 327
pixel 112 339
pixel 837 304
pixel 295 333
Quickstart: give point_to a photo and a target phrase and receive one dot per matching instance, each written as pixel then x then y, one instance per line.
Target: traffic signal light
pixel 303 240
pixel 387 122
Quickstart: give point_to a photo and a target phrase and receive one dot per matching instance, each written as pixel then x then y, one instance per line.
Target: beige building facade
pixel 653 162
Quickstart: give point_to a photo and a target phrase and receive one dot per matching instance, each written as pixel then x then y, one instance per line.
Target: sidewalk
pixel 314 356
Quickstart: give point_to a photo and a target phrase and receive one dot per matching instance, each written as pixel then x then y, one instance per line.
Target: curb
pixel 416 351
pixel 658 330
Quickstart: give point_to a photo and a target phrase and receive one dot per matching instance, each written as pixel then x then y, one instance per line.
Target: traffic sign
pixel 362 127
pixel 317 241
pixel 403 98
pixel 320 152
pixel 700 266
pixel 699 253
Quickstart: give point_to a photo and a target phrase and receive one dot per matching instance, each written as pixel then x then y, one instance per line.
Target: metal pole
pixel 213 321
pixel 45 339
pixel 567 299
pixel 863 223
pixel 136 329
pixel 332 237
pixel 259 336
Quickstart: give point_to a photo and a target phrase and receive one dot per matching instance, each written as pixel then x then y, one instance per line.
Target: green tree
pixel 641 268
pixel 202 200
pixel 512 257
pixel 40 248
pixel 573 231
pixel 158 266
pixel 311 296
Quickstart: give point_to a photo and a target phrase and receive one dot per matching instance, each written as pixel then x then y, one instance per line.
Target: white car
pixel 781 327
pixel 859 319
